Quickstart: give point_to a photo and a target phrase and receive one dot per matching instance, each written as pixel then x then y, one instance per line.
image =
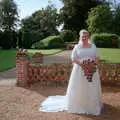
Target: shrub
pixel 67 36
pixel 20 38
pixel 28 38
pixel 48 43
pixel 1 35
pixel 14 39
pixel 6 40
pixel 106 40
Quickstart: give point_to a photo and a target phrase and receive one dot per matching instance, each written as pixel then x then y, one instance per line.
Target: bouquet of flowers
pixel 89 66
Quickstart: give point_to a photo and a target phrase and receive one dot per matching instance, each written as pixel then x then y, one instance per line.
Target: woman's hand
pixel 76 61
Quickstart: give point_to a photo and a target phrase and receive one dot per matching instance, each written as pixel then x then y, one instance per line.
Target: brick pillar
pixel 22 63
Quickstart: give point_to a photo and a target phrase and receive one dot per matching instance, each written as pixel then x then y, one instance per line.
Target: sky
pixel 27 7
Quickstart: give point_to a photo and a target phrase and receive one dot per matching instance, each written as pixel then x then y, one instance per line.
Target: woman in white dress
pixel 83 95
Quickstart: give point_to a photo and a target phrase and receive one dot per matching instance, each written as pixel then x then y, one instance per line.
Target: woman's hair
pixel 83 31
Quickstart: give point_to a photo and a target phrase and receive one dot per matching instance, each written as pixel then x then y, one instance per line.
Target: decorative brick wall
pixel 110 72
pixel 45 74
pixel 28 73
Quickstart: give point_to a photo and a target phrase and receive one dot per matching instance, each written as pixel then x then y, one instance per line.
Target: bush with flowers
pixel 106 40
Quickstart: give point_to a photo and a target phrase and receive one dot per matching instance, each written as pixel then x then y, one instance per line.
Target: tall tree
pixel 8 15
pixel 100 19
pixel 41 23
pixel 74 13
pixel 8 23
pixel 116 21
pixel 45 21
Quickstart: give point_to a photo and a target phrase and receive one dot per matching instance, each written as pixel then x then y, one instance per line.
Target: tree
pixel 74 13
pixel 8 23
pixel 45 21
pixel 42 23
pixel 116 21
pixel 8 15
pixel 100 19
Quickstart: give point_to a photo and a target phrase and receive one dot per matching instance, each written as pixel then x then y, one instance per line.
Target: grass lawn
pixel 45 52
pixel 7 57
pixel 110 55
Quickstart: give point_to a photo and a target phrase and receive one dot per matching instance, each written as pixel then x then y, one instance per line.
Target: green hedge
pixel 67 36
pixel 1 35
pixel 48 43
pixel 106 40
pixel 8 39
pixel 28 38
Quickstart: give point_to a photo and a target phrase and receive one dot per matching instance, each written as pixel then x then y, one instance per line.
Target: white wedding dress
pixel 82 97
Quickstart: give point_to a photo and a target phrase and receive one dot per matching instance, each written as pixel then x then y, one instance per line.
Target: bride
pixel 83 95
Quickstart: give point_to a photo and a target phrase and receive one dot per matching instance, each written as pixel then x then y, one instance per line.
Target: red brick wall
pixel 28 73
pixel 21 67
pixel 21 71
pixel 48 73
pixel 110 72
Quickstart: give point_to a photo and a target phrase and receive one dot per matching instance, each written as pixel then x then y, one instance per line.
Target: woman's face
pixel 84 37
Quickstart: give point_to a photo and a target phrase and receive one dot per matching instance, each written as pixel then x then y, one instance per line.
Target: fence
pixel 29 72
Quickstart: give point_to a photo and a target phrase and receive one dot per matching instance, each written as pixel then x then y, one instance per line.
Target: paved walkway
pixel 9 77
pixel 62 57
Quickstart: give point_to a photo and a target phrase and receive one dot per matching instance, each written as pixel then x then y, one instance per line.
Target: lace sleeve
pixel 74 53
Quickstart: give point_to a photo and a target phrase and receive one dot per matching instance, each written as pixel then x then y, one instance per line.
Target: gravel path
pixel 17 103
pixel 8 77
